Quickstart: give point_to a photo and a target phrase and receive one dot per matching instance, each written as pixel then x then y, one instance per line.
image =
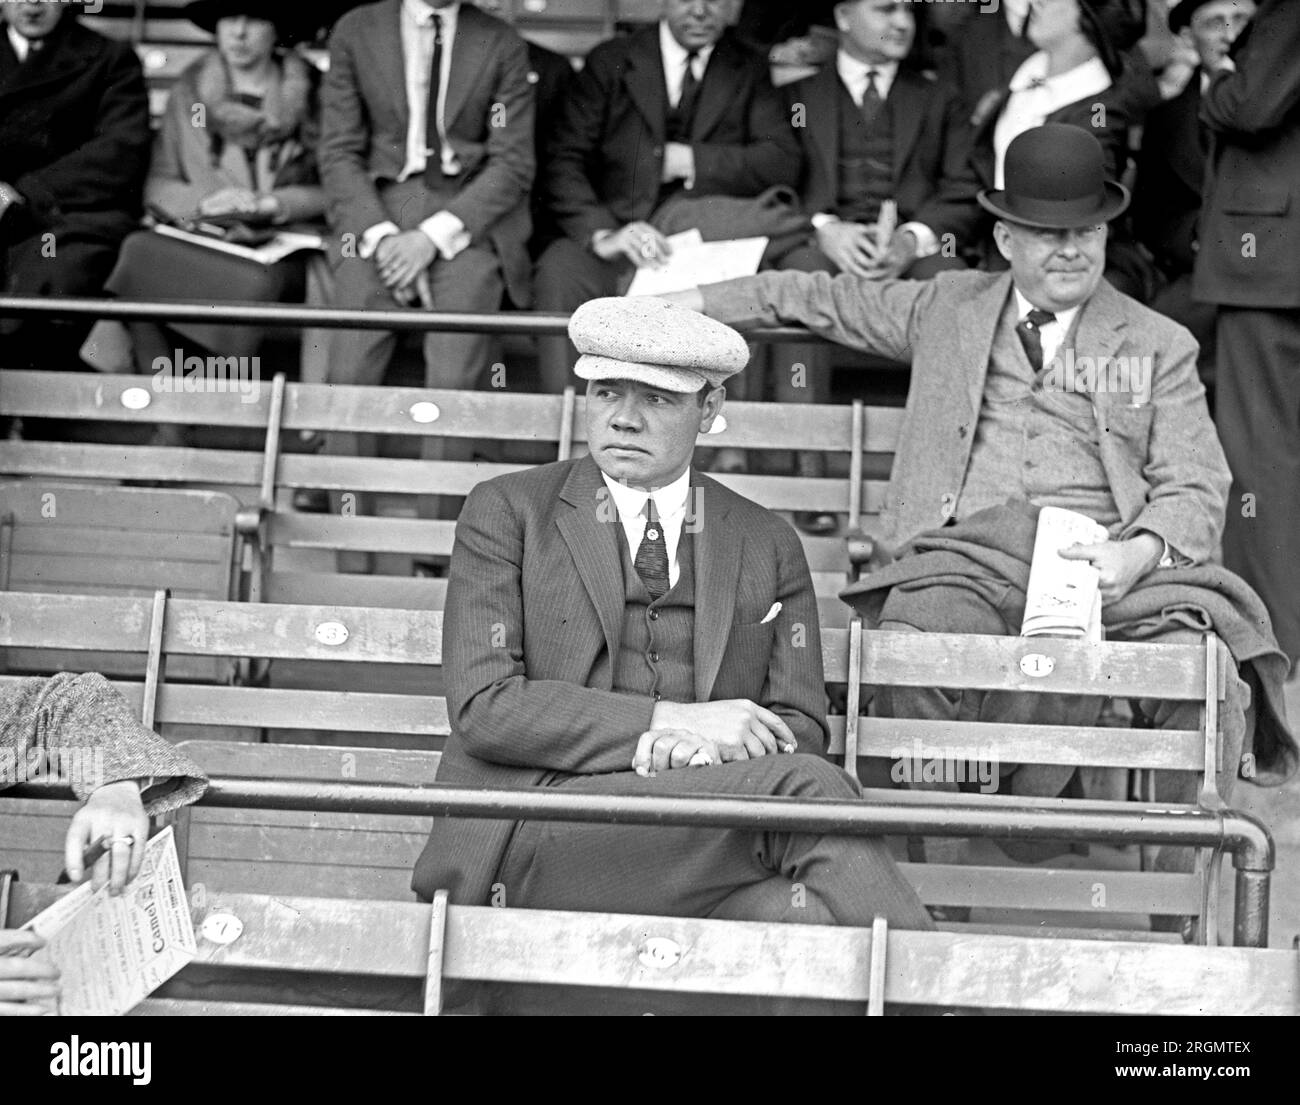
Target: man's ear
pixel 712 408
pixel 1002 237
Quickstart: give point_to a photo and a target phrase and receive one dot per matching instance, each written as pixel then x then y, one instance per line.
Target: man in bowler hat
pixel 1042 386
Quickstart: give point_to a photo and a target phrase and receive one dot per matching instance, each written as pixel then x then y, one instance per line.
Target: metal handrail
pixel 261 314
pixel 1240 834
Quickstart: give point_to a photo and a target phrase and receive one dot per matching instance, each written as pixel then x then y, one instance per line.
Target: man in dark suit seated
pixel 1044 386
pixel 426 155
pixel 74 149
pixel 874 130
pixel 678 108
pixel 1171 164
pixel 622 624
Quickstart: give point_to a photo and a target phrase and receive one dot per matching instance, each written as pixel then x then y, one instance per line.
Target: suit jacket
pixel 1171 166
pixel 551 76
pixel 604 165
pixel 73 715
pixel 74 138
pixel 1162 458
pixel 932 179
pixel 488 118
pixel 535 599
pixel 1250 220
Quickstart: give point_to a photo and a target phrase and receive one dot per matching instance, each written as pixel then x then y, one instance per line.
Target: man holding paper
pixel 678 109
pixel 1044 386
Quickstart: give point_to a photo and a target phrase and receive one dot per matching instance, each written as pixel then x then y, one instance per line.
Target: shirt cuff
pixel 927 243
pixel 822 218
pixel 371 238
pixel 446 232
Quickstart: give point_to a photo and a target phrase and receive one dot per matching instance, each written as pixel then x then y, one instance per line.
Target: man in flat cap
pixel 1044 386
pixel 622 624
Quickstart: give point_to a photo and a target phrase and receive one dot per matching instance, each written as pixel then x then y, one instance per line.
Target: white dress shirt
pixel 670 504
pixel 1035 95
pixel 443 228
pixel 20 44
pixel 1053 334
pixel 674 57
pixel 854 73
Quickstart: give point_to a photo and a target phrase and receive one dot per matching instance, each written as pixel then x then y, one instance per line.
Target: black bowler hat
pixel 1054 178
pixel 208 13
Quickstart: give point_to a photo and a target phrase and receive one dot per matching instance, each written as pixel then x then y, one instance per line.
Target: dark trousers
pixel 709 872
pixel 54 267
pixel 472 281
pixel 567 276
pixel 1257 389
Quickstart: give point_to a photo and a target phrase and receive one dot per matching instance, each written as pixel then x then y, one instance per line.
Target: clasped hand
pixel 709 733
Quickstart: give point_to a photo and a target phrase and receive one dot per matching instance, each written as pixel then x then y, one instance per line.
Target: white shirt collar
pixel 853 72
pixel 422 15
pixel 675 54
pixel 670 500
pixel 1053 334
pixel 1085 79
pixel 670 504
pixel 20 44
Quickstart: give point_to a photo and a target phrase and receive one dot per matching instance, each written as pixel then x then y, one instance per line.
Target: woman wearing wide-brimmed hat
pixel 1085 71
pixel 236 145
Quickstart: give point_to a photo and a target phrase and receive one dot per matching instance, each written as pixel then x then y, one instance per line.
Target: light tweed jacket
pixel 536 599
pixel 83 713
pixel 1160 451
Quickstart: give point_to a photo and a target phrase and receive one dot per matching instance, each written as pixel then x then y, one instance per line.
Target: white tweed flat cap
pixel 654 342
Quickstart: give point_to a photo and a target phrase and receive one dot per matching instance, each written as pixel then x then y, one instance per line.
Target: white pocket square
pixel 776 609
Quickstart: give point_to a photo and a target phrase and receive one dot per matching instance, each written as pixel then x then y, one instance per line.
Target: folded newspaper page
pixel 113 952
pixel 694 261
pixel 1064 596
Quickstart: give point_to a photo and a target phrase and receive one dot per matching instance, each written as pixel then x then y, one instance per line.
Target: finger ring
pixel 129 841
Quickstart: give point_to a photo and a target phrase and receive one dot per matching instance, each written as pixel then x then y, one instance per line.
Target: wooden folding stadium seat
pixel 371 855
pixel 1075 895
pixel 68 538
pixel 429 946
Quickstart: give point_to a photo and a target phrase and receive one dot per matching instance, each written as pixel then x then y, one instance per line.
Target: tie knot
pixel 1037 319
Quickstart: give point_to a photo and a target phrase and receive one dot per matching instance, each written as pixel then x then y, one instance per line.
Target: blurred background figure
pixel 237 148
pixel 1171 164
pixel 74 147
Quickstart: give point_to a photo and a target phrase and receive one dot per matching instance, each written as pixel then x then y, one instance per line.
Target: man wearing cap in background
pixel 622 624
pixel 995 427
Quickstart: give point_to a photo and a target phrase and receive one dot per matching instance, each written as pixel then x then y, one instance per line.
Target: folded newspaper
pixel 112 952
pixel 1064 596
pixel 284 243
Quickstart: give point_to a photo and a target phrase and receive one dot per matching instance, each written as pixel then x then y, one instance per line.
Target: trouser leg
pixel 567 276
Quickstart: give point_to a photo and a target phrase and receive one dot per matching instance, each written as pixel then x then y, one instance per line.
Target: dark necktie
pixel 651 561
pixel 1028 329
pixel 432 136
pixel 871 101
pixel 690 94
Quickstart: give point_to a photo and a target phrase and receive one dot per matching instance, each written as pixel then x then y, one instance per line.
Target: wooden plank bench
pixel 264 482
pixel 657 957
pixel 311 848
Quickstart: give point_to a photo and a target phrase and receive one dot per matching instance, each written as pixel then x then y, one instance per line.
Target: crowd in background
pixel 451 166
